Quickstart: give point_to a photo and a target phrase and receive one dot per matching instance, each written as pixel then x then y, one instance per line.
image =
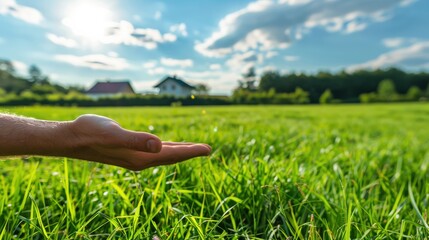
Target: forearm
pixel 27 136
pixel 94 138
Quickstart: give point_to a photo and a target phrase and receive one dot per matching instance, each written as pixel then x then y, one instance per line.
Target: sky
pixel 212 42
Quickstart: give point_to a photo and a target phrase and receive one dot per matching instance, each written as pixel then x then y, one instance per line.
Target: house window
pixel 173 87
pixel 163 87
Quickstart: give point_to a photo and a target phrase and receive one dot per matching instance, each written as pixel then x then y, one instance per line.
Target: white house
pixel 110 89
pixel 175 87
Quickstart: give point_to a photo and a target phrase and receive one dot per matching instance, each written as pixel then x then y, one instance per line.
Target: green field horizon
pixel 276 172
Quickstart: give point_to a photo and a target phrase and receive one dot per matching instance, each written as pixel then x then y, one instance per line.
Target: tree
pixel 2 92
pixel 326 97
pixel 414 93
pixel 43 89
pixel 6 65
pixel 202 89
pixel 36 75
pixel 9 81
pixel 248 81
pixel 300 96
pixel 269 80
pixel 386 89
pixel 427 91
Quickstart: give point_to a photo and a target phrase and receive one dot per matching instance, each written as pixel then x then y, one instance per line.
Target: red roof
pixel 111 88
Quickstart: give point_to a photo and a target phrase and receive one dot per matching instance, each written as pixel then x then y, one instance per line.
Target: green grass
pixel 293 172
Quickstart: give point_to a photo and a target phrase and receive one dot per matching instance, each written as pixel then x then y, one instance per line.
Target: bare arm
pixel 94 138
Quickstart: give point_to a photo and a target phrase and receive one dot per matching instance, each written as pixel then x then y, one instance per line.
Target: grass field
pixel 297 172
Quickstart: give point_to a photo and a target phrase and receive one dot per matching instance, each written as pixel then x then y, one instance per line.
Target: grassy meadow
pixel 276 172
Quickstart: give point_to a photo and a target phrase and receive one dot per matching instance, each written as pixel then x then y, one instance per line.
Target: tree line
pixel 379 85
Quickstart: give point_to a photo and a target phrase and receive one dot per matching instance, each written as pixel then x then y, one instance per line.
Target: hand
pixel 100 139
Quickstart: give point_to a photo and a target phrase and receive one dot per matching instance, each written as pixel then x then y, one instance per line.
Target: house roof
pixel 175 79
pixel 111 87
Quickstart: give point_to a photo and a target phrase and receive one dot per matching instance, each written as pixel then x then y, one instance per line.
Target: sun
pixel 88 20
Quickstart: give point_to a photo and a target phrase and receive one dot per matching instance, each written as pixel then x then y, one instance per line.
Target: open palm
pixel 103 140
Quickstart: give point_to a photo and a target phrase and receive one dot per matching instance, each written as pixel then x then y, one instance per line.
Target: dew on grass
pixel 251 142
pixel 301 169
pixel 336 168
pixel 266 158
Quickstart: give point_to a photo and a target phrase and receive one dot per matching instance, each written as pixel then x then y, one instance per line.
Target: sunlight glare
pixel 88 20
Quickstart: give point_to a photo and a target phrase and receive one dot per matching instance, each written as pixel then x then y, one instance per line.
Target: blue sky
pixel 210 41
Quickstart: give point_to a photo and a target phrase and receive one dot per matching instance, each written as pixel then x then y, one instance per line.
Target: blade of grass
pixel 416 209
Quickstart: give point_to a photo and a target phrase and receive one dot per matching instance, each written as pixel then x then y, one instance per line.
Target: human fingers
pixel 137 160
pixel 167 143
pixel 139 141
pixel 171 154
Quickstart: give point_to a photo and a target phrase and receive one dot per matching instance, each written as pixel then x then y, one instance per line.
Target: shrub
pixel 326 97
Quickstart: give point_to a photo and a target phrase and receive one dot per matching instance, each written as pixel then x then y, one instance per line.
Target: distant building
pixel 110 89
pixel 175 87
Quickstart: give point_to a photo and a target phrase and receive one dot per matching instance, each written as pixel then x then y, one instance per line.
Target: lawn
pixel 276 172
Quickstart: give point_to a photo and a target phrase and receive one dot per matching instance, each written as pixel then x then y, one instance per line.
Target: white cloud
pixel 269 68
pixel 125 33
pixel 137 18
pixel 150 64
pixel 294 2
pixel 145 86
pixel 393 42
pixel 158 15
pixel 399 42
pixel 268 24
pixel 221 82
pixel 355 26
pixel 161 71
pixel 407 2
pixel 177 62
pixel 169 37
pixel 180 29
pixel 414 56
pixel 62 41
pixel 240 62
pixel 291 58
pixel 95 61
pixel 215 66
pixel 27 14
pixel 20 67
pixel 53 76
pixel 112 54
pixel 157 71
pixel 271 54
